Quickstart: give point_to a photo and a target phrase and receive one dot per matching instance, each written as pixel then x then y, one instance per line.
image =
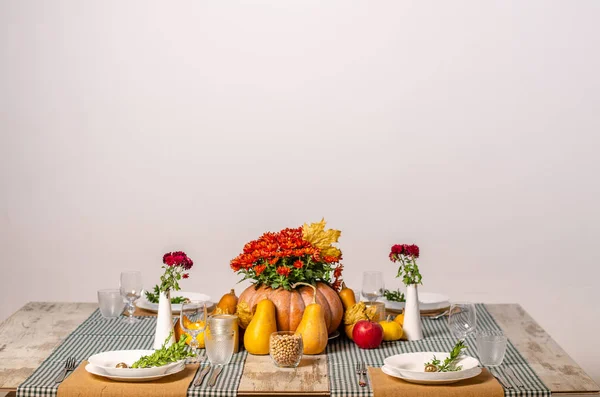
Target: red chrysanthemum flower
pixel 258 269
pixel 412 250
pixel 298 264
pixel 175 264
pixel 284 271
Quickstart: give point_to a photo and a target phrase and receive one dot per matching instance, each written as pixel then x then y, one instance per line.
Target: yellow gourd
pixel 262 325
pixel 228 303
pixel 358 311
pixel 347 296
pixel 312 327
pixel 400 319
pixel 391 329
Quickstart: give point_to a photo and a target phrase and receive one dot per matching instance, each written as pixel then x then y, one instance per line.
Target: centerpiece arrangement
pixel 177 265
pixel 406 256
pixel 277 261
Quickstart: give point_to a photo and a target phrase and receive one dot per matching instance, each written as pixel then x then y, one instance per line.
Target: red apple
pixel 367 334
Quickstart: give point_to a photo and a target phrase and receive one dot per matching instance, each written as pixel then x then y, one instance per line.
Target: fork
pixel 70 365
pixel 361 371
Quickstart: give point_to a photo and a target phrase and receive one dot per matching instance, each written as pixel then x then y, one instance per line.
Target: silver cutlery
pixel 215 375
pixel 361 371
pixel 502 381
pixel 511 374
pixel 202 375
pixel 440 315
pixel 70 365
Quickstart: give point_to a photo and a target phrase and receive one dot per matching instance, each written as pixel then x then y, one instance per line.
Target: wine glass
pixel 193 322
pixel 372 285
pixel 462 319
pixel 131 289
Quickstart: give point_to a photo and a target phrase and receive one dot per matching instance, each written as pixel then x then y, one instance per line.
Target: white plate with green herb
pixel 456 377
pixel 434 366
pixel 92 369
pixel 142 363
pixel 149 300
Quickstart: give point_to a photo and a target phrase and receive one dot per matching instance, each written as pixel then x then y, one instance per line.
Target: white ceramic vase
pixel 412 327
pixel 164 321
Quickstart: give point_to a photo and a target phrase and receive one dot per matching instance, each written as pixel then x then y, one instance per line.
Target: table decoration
pixel 96 335
pixel 343 355
pixel 176 265
pixel 278 260
pixel 406 255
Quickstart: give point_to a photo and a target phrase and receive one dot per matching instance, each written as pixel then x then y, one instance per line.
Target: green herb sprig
pixel 165 355
pixel 153 297
pixel 449 364
pixel 395 296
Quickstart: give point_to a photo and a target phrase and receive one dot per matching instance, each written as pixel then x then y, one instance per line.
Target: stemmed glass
pixel 193 322
pixel 462 319
pixel 131 289
pixel 372 285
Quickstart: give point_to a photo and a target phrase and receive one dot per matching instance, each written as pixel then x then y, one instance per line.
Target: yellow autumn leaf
pixel 316 234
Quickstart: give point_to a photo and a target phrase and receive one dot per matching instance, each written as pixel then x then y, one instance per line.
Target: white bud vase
pixel 412 315
pixel 164 321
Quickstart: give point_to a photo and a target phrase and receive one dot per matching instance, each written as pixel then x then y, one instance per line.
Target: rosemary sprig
pixel 165 355
pixel 449 363
pixel 395 296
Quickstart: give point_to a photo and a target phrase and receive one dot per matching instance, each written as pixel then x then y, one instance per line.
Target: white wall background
pixel 128 129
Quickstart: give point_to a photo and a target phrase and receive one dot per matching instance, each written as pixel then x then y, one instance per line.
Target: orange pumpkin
pixel 290 304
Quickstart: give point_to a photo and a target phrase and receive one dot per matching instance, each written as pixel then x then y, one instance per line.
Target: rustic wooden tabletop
pixel 29 336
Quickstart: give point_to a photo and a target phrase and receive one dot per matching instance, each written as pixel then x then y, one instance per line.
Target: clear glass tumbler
pixel 285 348
pixel 219 342
pixel 110 302
pixel 491 348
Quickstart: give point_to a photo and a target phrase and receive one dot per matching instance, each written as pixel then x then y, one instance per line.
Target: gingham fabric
pixel 97 334
pixel 343 355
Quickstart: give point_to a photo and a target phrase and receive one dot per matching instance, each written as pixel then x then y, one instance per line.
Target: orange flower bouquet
pixel 279 260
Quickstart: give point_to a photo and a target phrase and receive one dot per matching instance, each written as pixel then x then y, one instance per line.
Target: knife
pixel 203 373
pixel 511 374
pixel 215 374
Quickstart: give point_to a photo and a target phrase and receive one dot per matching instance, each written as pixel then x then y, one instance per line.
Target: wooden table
pixel 30 335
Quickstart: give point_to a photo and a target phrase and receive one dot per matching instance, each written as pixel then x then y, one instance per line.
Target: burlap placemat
pixel 483 384
pixel 83 384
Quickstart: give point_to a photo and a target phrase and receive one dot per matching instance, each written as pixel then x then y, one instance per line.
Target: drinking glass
pixel 193 322
pixel 462 319
pixel 110 302
pixel 372 285
pixel 219 342
pixel 491 348
pixel 131 289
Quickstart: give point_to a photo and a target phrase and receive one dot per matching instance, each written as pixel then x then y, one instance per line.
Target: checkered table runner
pixel 98 334
pixel 343 355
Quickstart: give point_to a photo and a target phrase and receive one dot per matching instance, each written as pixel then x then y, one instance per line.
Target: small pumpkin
pixel 290 304
pixel 228 303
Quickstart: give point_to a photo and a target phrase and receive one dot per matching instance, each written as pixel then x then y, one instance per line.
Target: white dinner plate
pixel 427 301
pixel 107 361
pixel 143 303
pixel 392 372
pixel 412 366
pixel 92 369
